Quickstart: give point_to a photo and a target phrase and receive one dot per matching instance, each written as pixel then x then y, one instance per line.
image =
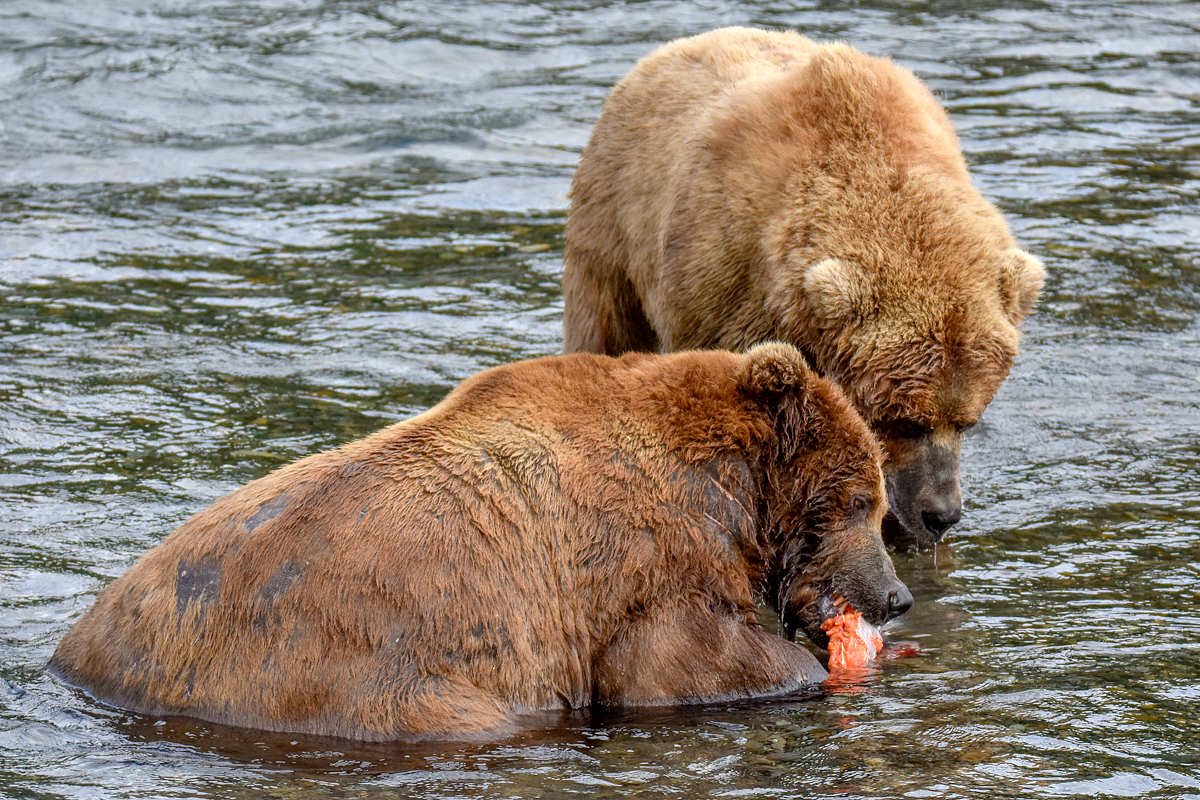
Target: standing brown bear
pixel 745 185
pixel 558 533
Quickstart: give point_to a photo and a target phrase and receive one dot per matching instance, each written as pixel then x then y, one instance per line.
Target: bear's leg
pixel 603 314
pixel 441 708
pixel 698 654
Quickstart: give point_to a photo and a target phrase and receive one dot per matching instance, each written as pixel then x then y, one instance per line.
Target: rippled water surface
pixel 232 234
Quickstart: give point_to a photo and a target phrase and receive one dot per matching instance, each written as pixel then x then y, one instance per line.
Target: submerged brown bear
pixel 746 185
pixel 559 533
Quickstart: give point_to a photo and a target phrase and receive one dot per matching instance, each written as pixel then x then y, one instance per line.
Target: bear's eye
pixel 859 503
pixel 907 429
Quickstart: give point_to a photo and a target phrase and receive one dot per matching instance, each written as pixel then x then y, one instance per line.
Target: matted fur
pixel 746 185
pixel 556 533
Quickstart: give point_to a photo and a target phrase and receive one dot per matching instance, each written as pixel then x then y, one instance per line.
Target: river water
pixel 235 233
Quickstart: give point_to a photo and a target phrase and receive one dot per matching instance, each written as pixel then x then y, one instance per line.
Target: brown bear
pixel 568 532
pixel 746 185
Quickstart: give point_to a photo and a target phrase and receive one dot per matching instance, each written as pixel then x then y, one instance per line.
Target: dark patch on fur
pixel 198 581
pixel 268 511
pixel 280 581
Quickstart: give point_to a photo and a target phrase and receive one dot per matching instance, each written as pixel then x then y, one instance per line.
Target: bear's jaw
pixel 923 486
pixel 808 604
pixel 804 606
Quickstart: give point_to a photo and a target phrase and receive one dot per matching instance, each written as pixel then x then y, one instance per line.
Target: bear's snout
pixel 899 600
pixel 923 488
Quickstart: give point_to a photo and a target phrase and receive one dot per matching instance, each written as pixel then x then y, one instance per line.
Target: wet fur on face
pixel 830 544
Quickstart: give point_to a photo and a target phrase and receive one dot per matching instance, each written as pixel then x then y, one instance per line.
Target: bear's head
pixel 824 499
pixel 909 295
pixel 921 364
pixel 897 278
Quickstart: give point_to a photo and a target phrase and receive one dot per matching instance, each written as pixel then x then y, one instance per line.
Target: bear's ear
pixel 1021 278
pixel 772 368
pixel 835 290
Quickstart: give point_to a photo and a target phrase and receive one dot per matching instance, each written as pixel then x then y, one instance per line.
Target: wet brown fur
pixel 556 533
pixel 746 185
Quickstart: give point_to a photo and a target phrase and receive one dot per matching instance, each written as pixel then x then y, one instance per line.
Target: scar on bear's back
pixel 268 511
pixel 196 581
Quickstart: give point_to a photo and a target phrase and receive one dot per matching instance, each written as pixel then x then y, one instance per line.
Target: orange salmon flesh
pixel 853 641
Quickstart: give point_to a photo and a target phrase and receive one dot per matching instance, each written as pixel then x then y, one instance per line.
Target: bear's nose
pixel 900 600
pixel 939 520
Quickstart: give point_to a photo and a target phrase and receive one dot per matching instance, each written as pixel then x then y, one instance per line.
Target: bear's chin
pixel 805 608
pixel 899 539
